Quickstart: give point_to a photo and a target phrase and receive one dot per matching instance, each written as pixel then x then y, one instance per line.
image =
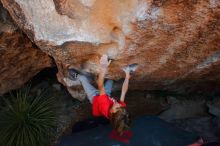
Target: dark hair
pixel 121 120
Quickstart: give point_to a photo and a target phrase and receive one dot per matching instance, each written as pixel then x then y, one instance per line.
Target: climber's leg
pixel 90 90
pixel 108 87
pixel 83 78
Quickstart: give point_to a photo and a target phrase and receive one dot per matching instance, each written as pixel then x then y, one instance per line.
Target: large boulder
pixel 20 59
pixel 175 42
pixel 184 109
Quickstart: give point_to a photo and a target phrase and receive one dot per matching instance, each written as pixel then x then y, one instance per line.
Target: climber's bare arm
pixel 100 81
pixel 104 63
pixel 125 86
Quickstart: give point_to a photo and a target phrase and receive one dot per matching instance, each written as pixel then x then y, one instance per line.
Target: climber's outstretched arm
pixel 125 86
pixel 104 63
pixel 130 69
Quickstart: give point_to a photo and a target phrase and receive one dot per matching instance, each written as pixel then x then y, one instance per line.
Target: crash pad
pixel 147 131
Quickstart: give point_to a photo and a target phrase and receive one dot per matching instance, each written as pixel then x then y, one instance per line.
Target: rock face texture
pixel 20 59
pixel 175 42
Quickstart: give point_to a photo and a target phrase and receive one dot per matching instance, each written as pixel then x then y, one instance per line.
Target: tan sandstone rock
pixel 175 42
pixel 20 59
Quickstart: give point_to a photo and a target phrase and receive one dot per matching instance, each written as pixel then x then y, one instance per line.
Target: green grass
pixel 26 120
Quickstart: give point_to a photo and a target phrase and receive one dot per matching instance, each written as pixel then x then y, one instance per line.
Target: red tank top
pixel 101 105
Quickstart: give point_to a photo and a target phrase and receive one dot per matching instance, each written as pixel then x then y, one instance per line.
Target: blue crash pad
pixel 147 131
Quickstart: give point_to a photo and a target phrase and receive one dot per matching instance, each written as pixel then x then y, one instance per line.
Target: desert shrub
pixel 26 120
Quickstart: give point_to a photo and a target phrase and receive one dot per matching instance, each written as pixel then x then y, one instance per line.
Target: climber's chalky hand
pixel 104 62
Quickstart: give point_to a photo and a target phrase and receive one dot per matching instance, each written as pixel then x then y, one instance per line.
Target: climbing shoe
pixel 74 74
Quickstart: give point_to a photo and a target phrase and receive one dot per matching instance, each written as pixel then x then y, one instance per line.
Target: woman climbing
pixel 102 102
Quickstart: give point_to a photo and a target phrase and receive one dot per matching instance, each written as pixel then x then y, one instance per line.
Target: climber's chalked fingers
pixel 133 67
pixel 130 68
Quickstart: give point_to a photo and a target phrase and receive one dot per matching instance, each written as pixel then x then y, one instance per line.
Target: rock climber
pixel 102 102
